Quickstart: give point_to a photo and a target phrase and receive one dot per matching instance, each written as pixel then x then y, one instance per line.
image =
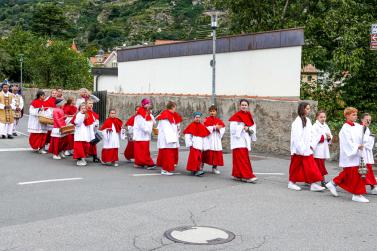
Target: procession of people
pixel 65 127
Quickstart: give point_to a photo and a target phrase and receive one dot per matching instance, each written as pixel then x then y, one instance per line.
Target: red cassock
pixel 240 156
pixel 50 102
pixel 194 162
pixel 304 169
pixel 142 154
pixel 370 179
pixel 213 157
pixel 111 154
pixel 80 149
pixel 321 166
pixel 37 140
pixel 241 164
pixel 129 151
pixel 167 158
pixel 69 110
pixel 57 145
pixel 92 117
pixel 350 180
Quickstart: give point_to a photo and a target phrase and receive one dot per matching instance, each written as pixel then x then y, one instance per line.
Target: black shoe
pixel 3 136
pixel 96 159
pixel 323 184
pixel 10 136
pixel 15 134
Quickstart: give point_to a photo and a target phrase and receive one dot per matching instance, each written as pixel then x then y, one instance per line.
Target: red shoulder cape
pixel 109 122
pixel 143 112
pixel 212 121
pixel 197 129
pixel 244 117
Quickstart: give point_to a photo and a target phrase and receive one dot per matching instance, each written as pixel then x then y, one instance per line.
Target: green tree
pixel 48 19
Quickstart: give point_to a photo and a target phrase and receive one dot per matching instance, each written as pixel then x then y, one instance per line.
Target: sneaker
pixel 80 163
pixel 115 164
pixel 359 198
pixel 323 184
pixel 316 188
pixel 3 136
pixel 151 168
pixel 215 171
pixel 42 151
pixel 236 178
pixel 56 157
pixel 10 136
pixel 374 191
pixel 251 180
pixel 293 186
pixel 62 155
pixel 199 173
pixel 96 159
pixel 163 172
pixel 332 188
pixel 67 153
pixel 15 134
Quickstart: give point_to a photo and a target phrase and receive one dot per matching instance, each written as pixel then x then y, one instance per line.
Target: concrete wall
pixel 267 72
pixel 273 117
pixel 107 82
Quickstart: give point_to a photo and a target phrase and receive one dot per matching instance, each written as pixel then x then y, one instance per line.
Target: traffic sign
pixel 374 29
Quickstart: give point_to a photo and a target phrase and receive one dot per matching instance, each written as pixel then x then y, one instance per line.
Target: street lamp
pixel 21 64
pixel 214 14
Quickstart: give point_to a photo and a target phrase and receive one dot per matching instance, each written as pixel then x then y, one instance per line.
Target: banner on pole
pixel 373 37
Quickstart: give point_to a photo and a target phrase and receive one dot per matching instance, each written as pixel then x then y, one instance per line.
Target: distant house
pixel 105 71
pixel 310 74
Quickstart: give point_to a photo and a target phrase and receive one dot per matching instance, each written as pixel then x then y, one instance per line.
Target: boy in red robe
pixel 93 127
pixel 58 141
pixel 195 138
pixel 111 131
pixel 129 151
pixel 214 155
pixel 69 110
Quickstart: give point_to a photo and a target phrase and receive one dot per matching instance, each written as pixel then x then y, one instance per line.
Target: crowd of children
pixel 309 142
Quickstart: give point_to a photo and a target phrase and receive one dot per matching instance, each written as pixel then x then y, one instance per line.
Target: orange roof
pixel 74 46
pixel 309 68
pixel 161 41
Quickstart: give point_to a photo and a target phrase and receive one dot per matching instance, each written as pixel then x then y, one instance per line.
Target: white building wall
pixel 268 72
pixel 109 83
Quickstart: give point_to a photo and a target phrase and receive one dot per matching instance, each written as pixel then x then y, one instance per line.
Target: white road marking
pixel 149 174
pixel 24 134
pixel 279 174
pixel 15 149
pixel 45 181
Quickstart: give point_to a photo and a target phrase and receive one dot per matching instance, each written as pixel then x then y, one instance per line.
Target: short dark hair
pixel 244 100
pixel 319 112
pixel 112 110
pixel 212 108
pixel 40 93
pixel 170 105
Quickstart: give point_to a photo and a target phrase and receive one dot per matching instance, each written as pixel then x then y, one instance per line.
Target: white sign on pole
pixel 373 37
pixel 374 29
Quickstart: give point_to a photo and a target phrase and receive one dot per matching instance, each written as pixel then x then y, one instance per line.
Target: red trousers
pixel 57 145
pixel 194 162
pixel 37 140
pixel 80 149
pixel 166 159
pixel 370 179
pixel 142 154
pixel 321 166
pixel 92 151
pixel 304 169
pixel 350 180
pixel 213 158
pixel 129 151
pixel 241 164
pixel 110 155
pixel 69 142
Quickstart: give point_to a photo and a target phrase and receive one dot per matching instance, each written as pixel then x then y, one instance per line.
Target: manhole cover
pixel 199 235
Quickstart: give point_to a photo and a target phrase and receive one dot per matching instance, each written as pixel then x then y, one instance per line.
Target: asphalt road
pixel 123 208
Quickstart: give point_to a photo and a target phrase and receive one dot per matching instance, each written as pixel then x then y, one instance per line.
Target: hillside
pixel 108 23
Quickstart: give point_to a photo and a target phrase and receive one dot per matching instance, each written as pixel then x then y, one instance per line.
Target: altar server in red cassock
pixel 69 110
pixel 351 150
pixel 38 131
pixel 129 151
pixel 303 167
pixel 58 140
pixel 111 132
pixel 93 128
pixel 321 140
pixel 50 104
pixel 242 133
pixel 196 139
pixel 214 155
pixel 369 140
pixel 143 126
pixel 168 138
pixel 82 135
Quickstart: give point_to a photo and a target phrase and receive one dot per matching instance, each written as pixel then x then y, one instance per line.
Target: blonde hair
pixel 349 110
